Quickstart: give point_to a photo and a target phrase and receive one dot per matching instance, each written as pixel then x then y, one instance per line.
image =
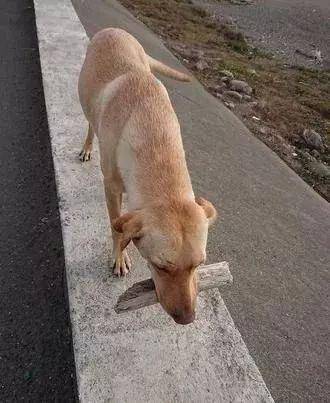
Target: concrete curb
pixel 143 356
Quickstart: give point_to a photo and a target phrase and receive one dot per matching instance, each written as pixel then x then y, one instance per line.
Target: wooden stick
pixel 143 293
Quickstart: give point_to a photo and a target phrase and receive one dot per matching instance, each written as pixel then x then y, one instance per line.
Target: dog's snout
pixel 183 318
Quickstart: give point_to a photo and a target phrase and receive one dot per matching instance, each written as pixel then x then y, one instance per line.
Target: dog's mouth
pixel 182 312
pixel 181 316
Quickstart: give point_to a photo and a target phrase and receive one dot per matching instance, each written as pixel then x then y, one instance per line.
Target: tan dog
pixel 141 153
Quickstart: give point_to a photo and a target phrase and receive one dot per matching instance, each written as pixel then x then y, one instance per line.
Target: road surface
pixel 36 356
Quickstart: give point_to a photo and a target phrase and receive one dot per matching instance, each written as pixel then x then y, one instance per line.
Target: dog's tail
pixel 159 67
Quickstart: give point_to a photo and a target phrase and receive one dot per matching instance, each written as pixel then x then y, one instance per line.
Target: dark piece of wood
pixel 143 293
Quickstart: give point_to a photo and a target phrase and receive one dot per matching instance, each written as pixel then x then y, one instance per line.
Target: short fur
pixel 142 154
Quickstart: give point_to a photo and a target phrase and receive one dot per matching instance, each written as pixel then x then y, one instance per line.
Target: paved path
pixel 283 26
pixel 273 229
pixel 36 356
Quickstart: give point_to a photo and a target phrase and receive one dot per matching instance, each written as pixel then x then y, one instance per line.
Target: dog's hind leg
pixel 122 262
pixel 86 152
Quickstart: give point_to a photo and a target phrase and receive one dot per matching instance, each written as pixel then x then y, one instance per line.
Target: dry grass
pixel 289 99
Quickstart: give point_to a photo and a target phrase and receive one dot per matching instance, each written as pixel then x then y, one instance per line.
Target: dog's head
pixel 172 238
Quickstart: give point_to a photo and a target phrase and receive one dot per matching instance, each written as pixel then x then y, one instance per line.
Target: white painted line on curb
pixel 142 356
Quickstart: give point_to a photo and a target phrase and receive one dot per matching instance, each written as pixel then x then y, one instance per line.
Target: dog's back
pixel 111 53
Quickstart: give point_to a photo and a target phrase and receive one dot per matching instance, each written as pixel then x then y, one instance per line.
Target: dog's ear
pixel 209 209
pixel 130 225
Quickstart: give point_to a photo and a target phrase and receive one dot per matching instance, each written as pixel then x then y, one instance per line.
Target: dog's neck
pixel 156 196
pixel 161 188
pixel 154 173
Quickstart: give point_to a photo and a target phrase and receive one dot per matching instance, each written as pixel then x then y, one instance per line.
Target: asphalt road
pixel 273 229
pixel 36 356
pixel 283 26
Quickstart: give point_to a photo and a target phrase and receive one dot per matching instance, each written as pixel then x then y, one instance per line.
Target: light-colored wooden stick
pixel 143 293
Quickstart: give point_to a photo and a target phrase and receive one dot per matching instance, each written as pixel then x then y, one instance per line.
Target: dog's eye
pixel 161 268
pixel 202 261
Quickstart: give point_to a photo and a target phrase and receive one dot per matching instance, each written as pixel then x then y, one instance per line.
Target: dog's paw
pixel 122 264
pixel 85 155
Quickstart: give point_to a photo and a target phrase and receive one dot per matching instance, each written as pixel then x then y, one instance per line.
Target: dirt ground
pixel 285 106
pixel 293 29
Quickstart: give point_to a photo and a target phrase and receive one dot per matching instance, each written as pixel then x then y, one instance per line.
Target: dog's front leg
pixel 85 154
pixel 122 262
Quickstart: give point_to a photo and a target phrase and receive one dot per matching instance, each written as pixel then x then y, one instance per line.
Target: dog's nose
pixel 183 318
